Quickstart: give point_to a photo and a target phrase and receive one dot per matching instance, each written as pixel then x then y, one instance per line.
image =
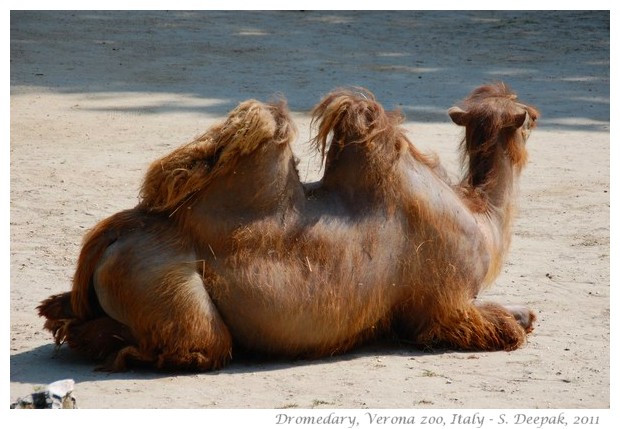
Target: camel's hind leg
pixel 476 326
pixel 158 293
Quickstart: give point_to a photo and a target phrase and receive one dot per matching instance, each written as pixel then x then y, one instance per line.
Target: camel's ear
pixel 457 115
pixel 517 120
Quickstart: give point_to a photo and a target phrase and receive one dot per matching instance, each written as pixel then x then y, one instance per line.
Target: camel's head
pixel 494 119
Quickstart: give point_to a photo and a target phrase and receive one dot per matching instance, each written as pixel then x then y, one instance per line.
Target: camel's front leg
pixel 523 315
pixel 472 326
pixel 483 326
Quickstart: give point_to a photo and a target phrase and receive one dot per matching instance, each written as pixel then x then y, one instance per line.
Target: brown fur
pixel 227 248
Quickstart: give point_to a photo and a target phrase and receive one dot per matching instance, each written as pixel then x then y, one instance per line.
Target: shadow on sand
pixel 46 364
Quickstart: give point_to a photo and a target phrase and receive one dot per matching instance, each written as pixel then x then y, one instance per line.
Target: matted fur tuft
pixel 172 180
pixel 353 116
pixel 349 121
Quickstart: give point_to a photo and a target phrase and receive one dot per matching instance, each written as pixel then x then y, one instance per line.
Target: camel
pixel 228 250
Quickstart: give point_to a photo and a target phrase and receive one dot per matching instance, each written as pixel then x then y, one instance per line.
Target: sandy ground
pixel 96 96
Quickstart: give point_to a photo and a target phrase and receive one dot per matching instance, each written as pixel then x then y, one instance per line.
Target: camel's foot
pixel 132 356
pixel 480 326
pixel 524 316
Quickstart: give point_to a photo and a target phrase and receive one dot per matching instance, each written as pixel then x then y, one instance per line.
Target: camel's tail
pixel 76 317
pixel 175 178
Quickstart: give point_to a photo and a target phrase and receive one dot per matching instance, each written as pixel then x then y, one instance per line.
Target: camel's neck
pixel 503 186
pixel 494 201
pixel 491 180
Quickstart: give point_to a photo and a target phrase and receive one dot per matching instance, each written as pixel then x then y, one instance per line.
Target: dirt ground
pixel 96 96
